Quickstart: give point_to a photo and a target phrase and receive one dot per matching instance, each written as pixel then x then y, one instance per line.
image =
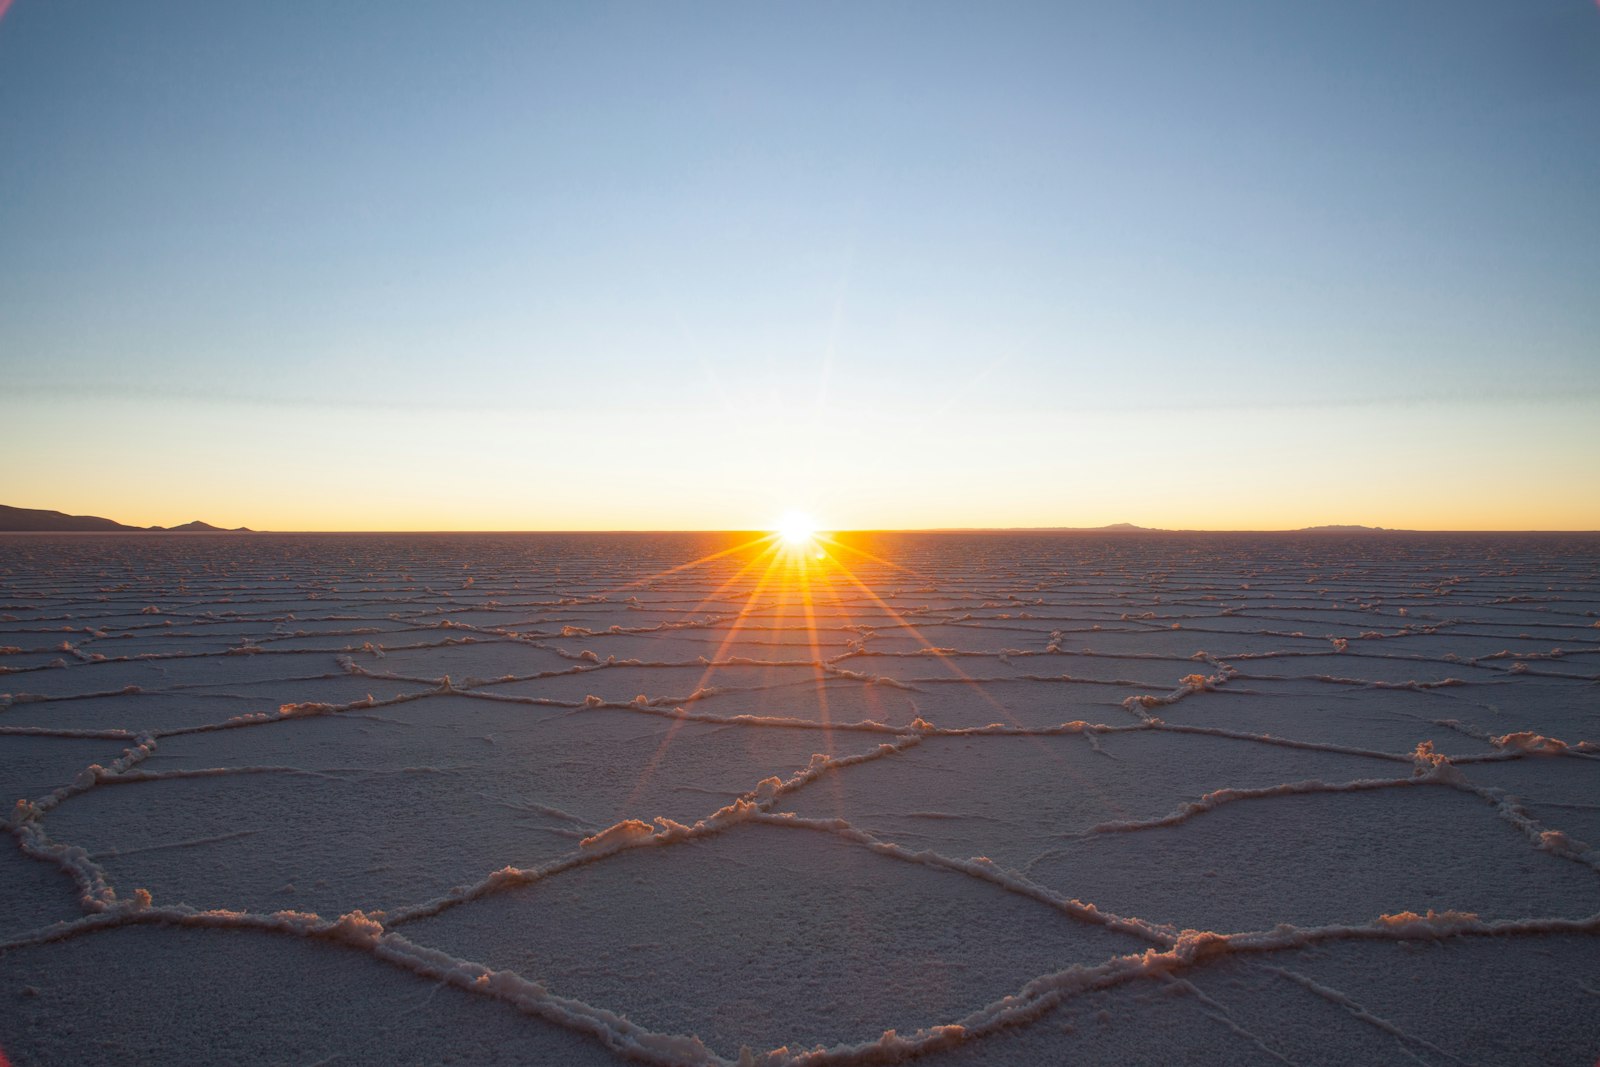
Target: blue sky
pixel 666 265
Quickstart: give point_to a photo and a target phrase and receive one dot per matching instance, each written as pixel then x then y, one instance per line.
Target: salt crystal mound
pixel 957 798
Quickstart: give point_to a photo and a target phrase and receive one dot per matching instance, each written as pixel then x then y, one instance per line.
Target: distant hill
pixel 39 520
pixel 204 527
pixel 35 520
pixel 1344 529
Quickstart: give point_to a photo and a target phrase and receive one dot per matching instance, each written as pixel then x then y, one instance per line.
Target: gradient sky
pixel 498 265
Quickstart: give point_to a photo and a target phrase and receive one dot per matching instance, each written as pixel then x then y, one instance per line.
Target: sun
pixel 796 529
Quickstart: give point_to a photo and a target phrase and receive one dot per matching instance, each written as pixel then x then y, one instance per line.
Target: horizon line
pixel 1114 530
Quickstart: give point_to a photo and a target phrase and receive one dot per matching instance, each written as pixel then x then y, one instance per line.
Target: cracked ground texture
pixel 704 799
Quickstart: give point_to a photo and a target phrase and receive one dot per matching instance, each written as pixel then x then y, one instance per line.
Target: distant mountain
pixel 1344 529
pixel 205 527
pixel 35 520
pixel 39 520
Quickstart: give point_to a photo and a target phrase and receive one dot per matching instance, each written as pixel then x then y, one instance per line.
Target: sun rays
pixel 793 570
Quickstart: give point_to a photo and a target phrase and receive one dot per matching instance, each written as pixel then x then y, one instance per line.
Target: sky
pixel 1243 264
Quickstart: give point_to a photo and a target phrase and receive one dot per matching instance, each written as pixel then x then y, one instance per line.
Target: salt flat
pixel 683 799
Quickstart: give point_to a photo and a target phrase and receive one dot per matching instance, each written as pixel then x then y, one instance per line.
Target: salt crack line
pixel 980 867
pixel 1272 739
pixel 1191 949
pixel 1357 1011
pixel 193 842
pixel 1221 1014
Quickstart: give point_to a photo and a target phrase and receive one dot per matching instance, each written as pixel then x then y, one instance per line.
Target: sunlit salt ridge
pixel 677 799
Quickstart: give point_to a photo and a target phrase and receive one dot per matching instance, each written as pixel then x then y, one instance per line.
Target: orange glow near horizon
pixel 279 509
pixel 411 493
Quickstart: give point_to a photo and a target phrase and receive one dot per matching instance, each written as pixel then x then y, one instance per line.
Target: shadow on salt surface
pixel 764 936
pixel 1431 1002
pixel 1014 798
pixel 174 995
pixel 32 895
pixel 396 811
pixel 1385 720
pixel 1313 859
pixel 184 708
